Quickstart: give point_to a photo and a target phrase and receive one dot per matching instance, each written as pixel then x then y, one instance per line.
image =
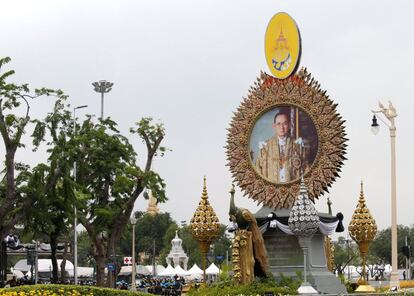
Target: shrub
pixel 286 286
pixel 406 284
pixel 65 290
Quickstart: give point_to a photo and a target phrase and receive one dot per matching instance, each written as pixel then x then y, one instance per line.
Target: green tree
pixel 47 217
pixel 345 253
pixel 13 188
pixel 51 185
pixel 149 228
pixel 222 246
pixel 84 250
pixel 190 246
pixel 109 182
pixel 381 245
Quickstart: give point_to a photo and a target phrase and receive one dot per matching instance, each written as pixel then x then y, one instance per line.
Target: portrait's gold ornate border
pixel 304 92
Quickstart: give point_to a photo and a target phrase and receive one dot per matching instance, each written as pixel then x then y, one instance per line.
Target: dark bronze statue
pixel 248 249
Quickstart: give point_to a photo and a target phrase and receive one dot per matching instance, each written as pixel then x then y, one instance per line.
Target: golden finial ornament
pixel 362 230
pixel 152 205
pixel 204 225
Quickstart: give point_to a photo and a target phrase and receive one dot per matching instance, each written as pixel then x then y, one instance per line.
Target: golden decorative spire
pixel 204 194
pixel 362 230
pixel 152 204
pixel 362 226
pixel 204 225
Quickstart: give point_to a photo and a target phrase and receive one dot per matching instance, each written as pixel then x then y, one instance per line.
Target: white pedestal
pixel 307 289
pixel 394 281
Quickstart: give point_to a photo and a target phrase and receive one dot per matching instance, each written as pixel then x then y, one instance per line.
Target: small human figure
pixel 12 282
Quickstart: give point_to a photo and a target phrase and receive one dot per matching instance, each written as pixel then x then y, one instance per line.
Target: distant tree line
pixel 347 253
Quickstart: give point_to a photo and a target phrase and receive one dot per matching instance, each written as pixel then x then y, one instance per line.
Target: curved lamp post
pixel 133 223
pixel 102 87
pixel 204 226
pixel 390 113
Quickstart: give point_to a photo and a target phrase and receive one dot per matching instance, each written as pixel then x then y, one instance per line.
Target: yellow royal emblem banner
pixel 282 45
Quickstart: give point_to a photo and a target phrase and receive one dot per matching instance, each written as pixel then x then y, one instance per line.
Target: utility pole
pixel 36 262
pixel 75 222
pixel 154 271
pixel 408 257
pixel 347 247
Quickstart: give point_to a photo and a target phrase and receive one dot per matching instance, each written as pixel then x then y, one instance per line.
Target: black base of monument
pixel 285 256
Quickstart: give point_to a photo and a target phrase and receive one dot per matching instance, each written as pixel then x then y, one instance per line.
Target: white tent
pixel 44 265
pixel 139 269
pixel 169 271
pixel 85 272
pixel 18 274
pixel 125 270
pixel 158 269
pixel 180 271
pixel 212 269
pixel 194 273
pixel 194 270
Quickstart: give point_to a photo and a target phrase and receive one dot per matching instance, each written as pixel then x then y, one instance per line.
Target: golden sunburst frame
pixel 301 91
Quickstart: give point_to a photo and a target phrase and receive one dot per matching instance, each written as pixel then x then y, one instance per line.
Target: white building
pixel 177 256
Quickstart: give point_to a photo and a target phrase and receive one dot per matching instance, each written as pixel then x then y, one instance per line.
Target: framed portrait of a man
pixel 283 130
pixel 283 144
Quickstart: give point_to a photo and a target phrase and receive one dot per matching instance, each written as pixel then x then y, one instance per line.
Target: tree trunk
pixel 53 247
pixel 112 256
pixel 8 205
pixel 100 270
pixel 63 264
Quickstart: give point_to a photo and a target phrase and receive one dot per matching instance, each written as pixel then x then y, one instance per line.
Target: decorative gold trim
pixel 303 91
pixel 329 254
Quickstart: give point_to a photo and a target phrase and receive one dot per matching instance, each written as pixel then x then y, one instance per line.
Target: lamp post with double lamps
pixel 133 284
pixel 102 87
pixel 390 113
pixel 75 222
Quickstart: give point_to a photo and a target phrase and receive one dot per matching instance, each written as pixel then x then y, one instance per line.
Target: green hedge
pixel 285 286
pixel 65 290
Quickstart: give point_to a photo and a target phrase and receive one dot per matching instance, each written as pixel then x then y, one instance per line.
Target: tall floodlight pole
pixel 102 87
pixel 75 222
pixel 390 113
pixel 133 284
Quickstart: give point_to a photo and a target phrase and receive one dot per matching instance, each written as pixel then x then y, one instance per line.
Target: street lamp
pixel 390 113
pixel 133 284
pixel 102 87
pixel 75 222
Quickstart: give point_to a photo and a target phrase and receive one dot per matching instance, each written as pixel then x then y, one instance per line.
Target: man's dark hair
pixel 282 113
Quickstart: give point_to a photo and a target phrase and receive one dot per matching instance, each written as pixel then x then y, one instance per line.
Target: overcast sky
pixel 189 63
